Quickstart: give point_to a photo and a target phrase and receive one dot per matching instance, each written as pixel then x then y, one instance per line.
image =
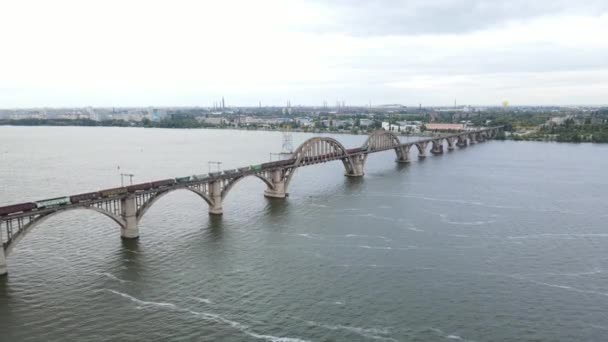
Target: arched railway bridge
pixel 127 205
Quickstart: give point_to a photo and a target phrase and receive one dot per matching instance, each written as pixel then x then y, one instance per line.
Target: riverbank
pixel 572 134
pixel 565 137
pixel 122 123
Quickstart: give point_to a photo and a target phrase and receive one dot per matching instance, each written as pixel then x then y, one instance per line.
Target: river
pixel 500 240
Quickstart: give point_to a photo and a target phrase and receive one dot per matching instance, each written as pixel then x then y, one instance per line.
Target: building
pixel 305 122
pixel 215 121
pixel 402 126
pixel 366 123
pixel 444 127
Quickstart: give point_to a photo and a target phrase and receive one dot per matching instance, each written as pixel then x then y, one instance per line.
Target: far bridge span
pixel 127 205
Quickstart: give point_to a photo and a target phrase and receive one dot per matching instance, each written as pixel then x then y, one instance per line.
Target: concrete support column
pixel 451 142
pixel 278 185
pixel 129 215
pixel 403 154
pixel 437 147
pixel 462 142
pixel 357 162
pixel 473 138
pixel 3 266
pixel 422 149
pixel 215 193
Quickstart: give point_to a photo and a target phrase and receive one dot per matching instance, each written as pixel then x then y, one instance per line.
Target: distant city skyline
pixel 153 53
pixel 217 106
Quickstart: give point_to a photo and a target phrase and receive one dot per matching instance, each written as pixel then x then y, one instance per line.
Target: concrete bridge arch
pixel 226 189
pixel 33 223
pixel 150 202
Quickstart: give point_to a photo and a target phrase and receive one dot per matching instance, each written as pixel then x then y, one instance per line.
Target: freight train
pixel 90 196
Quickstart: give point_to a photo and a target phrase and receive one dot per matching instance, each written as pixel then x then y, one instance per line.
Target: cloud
pixel 414 17
pixel 187 52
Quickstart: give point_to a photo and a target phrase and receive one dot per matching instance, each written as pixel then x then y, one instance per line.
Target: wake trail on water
pixel 519 277
pixel 562 287
pixel 449 336
pixel 405 248
pixel 315 236
pixel 243 328
pixel 368 237
pixel 310 236
pixel 202 300
pixel 371 333
pixel 376 217
pixel 348 209
pixel 208 316
pixel 557 235
pixel 444 219
pixel 111 276
pixel 595 270
pixel 388 247
pixel 142 302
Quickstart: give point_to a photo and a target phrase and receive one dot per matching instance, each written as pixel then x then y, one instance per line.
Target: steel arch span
pixel 319 150
pixel 36 220
pixel 381 140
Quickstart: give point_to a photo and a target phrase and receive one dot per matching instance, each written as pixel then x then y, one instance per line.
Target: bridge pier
pixel 215 192
pixel 472 138
pixel 129 215
pixel 3 266
pixel 278 185
pixel 358 163
pixel 437 147
pixel 462 141
pixel 422 149
pixel 403 154
pixel 451 142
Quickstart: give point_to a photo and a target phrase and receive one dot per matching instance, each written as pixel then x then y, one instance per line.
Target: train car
pixel 255 167
pixel 139 187
pixel 215 174
pixel 277 163
pixel 112 192
pixel 17 208
pixel 267 165
pixel 53 202
pixel 230 172
pixel 84 197
pixel 182 179
pixel 200 177
pixel 244 169
pixel 162 183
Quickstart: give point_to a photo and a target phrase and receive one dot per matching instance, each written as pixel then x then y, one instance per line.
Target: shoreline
pixel 225 128
pixel 547 138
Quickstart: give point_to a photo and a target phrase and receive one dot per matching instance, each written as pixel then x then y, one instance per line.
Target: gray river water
pixel 496 241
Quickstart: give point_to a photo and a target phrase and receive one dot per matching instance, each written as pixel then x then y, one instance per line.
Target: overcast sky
pixel 164 53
